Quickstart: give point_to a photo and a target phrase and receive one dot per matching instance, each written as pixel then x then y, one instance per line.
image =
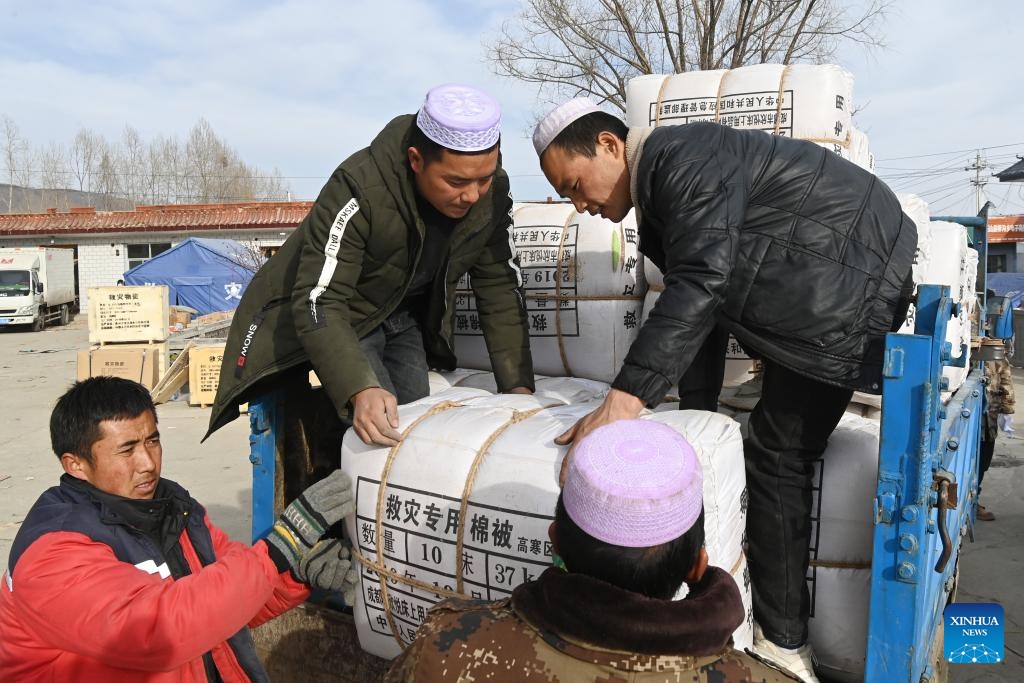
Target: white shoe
pixel 799 662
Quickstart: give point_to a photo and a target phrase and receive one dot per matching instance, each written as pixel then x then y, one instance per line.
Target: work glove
pixel 1006 424
pixel 328 566
pixel 308 517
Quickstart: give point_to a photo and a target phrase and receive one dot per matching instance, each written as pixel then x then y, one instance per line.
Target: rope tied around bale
pixel 467 489
pixel 386 573
pixel 558 292
pixel 846 142
pixel 379 566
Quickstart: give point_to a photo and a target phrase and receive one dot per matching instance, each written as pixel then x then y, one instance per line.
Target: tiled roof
pixel 1014 174
pixel 169 218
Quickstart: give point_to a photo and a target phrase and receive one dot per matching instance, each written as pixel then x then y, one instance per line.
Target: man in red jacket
pixel 119 575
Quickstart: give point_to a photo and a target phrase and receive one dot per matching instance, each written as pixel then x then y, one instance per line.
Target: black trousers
pixel 989 432
pixel 789 429
pixel 701 384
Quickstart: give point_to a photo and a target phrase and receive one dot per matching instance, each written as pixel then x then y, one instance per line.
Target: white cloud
pixel 301 84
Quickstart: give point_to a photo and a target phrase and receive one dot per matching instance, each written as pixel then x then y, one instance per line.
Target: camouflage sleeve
pixel 403 667
pixel 1006 385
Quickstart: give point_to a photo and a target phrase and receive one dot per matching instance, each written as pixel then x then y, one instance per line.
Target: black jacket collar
pixel 162 518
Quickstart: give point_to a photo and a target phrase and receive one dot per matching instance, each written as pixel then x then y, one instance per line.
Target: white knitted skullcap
pixel 558 119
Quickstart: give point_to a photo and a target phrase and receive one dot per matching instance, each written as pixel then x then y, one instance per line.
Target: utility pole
pixel 978 166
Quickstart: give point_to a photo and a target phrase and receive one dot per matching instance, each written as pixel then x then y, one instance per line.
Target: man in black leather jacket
pixel 804 257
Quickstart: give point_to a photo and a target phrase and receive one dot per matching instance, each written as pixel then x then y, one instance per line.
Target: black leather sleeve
pixel 695 200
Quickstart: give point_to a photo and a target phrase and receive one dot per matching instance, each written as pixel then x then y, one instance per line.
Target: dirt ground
pixel 35 368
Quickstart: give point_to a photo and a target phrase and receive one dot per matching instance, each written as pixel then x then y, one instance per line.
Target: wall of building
pixel 102 260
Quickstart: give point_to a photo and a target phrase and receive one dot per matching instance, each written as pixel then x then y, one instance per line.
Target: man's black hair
pixel 431 151
pixel 580 136
pixel 75 421
pixel 656 572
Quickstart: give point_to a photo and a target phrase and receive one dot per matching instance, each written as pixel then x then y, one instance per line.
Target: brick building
pixel 107 243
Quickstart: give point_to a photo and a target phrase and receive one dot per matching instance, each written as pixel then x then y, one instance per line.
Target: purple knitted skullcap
pixel 634 483
pixel 460 117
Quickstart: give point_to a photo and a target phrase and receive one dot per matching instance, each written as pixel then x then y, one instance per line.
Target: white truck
pixel 37 286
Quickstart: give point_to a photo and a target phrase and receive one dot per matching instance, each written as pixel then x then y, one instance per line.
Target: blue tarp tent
pixel 1007 284
pixel 205 274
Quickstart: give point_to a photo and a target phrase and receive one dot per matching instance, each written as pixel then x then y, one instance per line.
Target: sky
pixel 299 85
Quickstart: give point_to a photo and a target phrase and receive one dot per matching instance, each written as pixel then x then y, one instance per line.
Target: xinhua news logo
pixel 973 633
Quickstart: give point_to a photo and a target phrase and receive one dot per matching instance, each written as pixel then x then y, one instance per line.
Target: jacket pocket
pixel 801 295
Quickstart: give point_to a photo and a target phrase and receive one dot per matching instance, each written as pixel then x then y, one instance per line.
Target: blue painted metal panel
pixel 265 422
pixel 927 463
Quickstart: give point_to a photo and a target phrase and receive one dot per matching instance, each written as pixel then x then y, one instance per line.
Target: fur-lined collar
pixel 587 611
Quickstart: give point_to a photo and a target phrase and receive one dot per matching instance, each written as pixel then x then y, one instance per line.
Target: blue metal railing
pixel 265 422
pixel 927 486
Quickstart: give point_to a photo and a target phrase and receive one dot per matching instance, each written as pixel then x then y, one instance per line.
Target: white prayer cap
pixel 460 118
pixel 559 119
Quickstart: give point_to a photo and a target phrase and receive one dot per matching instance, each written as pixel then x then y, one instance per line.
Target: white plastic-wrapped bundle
pixel 917 209
pixel 856 149
pixel 838 628
pixel 949 265
pixel 438 382
pixel 809 102
pixel 565 389
pixel 860 149
pixel 584 285
pixel 842 544
pixel 738 364
pixel 469 494
pixel 845 482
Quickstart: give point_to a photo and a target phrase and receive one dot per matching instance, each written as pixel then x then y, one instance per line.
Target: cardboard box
pixel 178 317
pixel 204 373
pixel 128 314
pixel 142 363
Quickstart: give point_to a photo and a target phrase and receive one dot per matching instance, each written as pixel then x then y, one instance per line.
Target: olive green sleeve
pixel 329 267
pixel 497 285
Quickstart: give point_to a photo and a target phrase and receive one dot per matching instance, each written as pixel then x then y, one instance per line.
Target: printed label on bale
pixel 548 269
pixel 753 111
pixel 503 548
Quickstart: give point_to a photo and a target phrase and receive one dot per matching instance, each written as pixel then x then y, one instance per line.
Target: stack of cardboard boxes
pixel 204 372
pixel 128 330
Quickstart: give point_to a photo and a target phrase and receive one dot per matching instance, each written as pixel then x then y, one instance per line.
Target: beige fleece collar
pixel 635 140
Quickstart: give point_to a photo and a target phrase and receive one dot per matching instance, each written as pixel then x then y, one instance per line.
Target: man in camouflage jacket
pixel 628 545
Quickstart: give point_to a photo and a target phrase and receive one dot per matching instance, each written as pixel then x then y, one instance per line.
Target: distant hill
pixel 16 199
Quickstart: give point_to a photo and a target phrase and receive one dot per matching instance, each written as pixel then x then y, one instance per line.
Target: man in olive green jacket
pixel 363 291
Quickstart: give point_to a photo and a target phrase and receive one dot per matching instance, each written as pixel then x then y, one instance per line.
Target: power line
pixel 959 151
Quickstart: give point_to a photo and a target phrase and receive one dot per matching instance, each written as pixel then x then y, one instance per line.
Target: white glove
pixel 1006 424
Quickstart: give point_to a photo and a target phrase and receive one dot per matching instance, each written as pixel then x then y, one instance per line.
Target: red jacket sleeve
pixel 75 595
pixel 287 591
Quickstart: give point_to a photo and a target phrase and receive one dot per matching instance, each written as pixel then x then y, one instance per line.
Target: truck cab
pixel 36 286
pixel 21 293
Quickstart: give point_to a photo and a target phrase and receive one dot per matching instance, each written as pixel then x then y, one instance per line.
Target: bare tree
pixel 52 162
pixel 572 47
pixel 15 150
pixel 132 171
pixel 86 151
pixel 131 163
